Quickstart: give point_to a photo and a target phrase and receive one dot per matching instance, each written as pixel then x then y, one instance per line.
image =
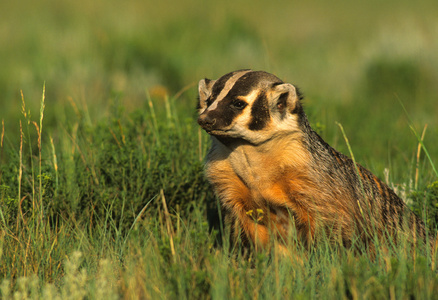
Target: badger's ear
pixel 204 90
pixel 285 97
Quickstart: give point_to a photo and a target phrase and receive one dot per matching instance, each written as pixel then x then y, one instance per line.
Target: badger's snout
pixel 206 122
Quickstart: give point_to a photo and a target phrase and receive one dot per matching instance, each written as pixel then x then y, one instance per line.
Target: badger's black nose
pixel 206 122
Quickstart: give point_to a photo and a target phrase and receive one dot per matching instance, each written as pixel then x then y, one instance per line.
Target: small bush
pixel 425 203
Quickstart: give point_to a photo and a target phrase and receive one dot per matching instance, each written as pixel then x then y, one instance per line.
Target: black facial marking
pixel 224 114
pixel 209 101
pixel 230 106
pixel 250 81
pixel 260 113
pixel 243 86
pixel 220 84
pixel 238 104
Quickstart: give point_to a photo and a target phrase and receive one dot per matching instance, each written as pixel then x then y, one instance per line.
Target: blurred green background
pixel 120 140
pixel 355 61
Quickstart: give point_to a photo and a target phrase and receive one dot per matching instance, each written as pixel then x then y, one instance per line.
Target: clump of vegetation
pixel 425 203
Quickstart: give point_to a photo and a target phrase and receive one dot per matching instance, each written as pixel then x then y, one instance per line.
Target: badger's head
pixel 251 105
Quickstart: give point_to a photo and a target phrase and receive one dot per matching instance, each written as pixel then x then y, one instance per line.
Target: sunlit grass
pixel 102 193
pixel 125 233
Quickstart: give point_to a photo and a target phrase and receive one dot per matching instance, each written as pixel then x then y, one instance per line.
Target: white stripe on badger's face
pixel 228 86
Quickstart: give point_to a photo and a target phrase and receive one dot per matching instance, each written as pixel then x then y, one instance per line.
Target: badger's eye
pixel 238 104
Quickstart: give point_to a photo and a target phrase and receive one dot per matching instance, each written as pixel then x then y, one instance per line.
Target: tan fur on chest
pixel 262 186
pixel 265 171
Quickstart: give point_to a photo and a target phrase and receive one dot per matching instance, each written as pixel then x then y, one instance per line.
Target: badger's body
pixel 277 178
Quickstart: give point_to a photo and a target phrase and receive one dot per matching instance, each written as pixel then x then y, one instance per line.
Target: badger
pixel 279 182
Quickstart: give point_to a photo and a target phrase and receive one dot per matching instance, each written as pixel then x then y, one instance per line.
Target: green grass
pixel 102 193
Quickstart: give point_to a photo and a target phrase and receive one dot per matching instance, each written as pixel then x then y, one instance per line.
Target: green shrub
pixel 425 203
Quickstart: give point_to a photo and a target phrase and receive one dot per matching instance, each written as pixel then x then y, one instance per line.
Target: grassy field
pixel 102 194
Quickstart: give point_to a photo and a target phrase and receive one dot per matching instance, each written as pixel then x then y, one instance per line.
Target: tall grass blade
pixel 169 227
pixel 417 168
pixel 419 139
pixel 154 118
pixel 137 217
pixel 354 160
pixel 20 175
pixel 55 165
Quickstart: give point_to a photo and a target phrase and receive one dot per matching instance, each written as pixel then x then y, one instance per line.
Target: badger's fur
pixel 276 177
